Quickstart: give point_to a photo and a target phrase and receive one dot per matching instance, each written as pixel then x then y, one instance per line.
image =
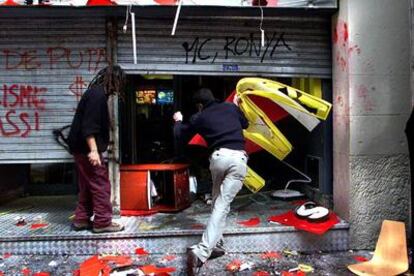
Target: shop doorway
pixel 147 130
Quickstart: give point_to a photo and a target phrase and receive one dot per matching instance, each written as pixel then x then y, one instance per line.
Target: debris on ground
pixel 250 222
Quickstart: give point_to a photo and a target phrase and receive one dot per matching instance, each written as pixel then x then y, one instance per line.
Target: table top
pixel 154 167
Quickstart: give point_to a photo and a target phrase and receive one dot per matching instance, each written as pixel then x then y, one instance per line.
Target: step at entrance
pixel 159 233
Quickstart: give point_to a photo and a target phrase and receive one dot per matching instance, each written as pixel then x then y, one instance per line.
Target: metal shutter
pixel 296 46
pixel 46 63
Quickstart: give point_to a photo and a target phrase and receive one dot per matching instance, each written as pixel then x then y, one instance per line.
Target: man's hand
pixel 236 100
pixel 178 117
pixel 94 158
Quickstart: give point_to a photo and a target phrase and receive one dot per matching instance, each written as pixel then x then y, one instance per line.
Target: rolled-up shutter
pixel 46 64
pixel 294 46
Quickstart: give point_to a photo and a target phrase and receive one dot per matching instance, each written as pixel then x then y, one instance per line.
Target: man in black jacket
pixel 88 139
pixel 221 125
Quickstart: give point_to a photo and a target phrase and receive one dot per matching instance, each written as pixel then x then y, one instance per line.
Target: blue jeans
pixel 228 169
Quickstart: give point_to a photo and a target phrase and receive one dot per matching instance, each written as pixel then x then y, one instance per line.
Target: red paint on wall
pixel 57 58
pixel 166 2
pixel 345 32
pixel 22 105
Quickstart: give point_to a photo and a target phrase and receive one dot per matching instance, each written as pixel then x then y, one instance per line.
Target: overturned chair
pixel 390 256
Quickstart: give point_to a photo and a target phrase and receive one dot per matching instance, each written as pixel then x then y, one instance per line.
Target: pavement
pixel 258 264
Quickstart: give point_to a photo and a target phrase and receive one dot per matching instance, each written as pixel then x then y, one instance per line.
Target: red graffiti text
pixel 22 106
pixel 90 59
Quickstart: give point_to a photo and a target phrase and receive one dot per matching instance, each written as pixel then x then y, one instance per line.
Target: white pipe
pixel 134 38
pixel 177 14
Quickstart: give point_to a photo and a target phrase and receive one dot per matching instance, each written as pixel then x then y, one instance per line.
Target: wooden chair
pixel 390 256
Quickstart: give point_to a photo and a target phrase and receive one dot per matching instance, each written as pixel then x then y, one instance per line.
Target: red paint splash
pixel 152 269
pixel 166 2
pixel 345 32
pixel 250 222
pixel 169 258
pixel 287 273
pixel 42 273
pixel 271 255
pixel 141 251
pixel 360 258
pixel 335 36
pixel 233 266
pixel 198 226
pixel 261 273
pixel 26 271
pixel 35 226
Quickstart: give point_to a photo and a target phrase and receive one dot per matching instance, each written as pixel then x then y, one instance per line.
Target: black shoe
pixel 217 253
pixel 193 263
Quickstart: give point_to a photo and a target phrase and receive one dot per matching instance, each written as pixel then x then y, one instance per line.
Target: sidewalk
pixel 274 263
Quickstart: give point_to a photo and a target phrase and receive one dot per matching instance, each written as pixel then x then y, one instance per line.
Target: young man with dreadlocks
pixel 221 125
pixel 88 139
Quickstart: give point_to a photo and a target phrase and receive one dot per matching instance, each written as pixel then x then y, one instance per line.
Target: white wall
pixel 372 101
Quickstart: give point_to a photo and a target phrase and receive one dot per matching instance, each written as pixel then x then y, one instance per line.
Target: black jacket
pixel 220 124
pixel 91 118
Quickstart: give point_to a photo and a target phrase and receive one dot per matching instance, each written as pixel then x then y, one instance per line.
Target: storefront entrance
pixel 146 130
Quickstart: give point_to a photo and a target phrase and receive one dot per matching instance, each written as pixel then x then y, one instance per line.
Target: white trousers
pixel 228 169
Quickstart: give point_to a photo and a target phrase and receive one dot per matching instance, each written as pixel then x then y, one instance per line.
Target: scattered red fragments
pixel 7 255
pixel 26 271
pixel 141 251
pixel 198 226
pixel 138 213
pixel 271 255
pixel 296 273
pixel 289 218
pixel 95 266
pixel 120 261
pixel 100 3
pixel 1 273
pixel 169 257
pixel 35 226
pixel 250 222
pixel 360 259
pixel 41 274
pixel 261 273
pixel 9 3
pixel 150 269
pixel 234 266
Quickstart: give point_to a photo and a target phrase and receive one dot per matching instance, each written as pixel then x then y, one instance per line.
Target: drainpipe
pixel 113 152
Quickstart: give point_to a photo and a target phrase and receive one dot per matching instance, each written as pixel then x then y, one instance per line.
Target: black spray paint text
pixel 235 46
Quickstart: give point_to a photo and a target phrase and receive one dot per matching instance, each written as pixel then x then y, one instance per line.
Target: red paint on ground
pixel 234 266
pixel 26 271
pixel 198 226
pixel 360 259
pixel 35 226
pixel 271 255
pixel 261 273
pixel 250 222
pixel 42 273
pixel 290 219
pixel 150 269
pixel 141 251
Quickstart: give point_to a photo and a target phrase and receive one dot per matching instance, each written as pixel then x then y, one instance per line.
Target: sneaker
pixel 113 227
pixel 194 264
pixel 80 226
pixel 217 253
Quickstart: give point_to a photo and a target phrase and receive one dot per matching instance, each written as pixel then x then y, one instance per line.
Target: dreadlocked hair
pixel 112 78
